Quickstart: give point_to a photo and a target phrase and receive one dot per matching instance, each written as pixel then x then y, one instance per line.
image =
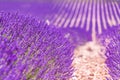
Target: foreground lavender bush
pixel 111 39
pixel 31 50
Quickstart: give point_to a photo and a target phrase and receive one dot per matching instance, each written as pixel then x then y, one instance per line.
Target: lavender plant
pixel 31 50
pixel 111 39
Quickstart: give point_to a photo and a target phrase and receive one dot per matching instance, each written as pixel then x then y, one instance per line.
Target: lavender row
pixel 30 49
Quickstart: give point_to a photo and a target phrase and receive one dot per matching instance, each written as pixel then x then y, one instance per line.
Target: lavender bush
pixel 31 50
pixel 111 39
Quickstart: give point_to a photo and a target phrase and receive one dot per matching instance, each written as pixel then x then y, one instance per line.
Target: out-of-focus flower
pixel 31 50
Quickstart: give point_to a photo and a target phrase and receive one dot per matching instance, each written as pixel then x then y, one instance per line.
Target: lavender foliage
pixel 32 50
pixel 112 51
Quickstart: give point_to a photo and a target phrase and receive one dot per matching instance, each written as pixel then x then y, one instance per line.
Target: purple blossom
pixel 32 50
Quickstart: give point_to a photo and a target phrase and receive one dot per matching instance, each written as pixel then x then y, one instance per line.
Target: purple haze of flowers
pixel 39 8
pixel 31 50
pixel 112 38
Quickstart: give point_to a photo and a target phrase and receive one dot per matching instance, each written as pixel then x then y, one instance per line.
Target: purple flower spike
pixel 111 39
pixel 31 50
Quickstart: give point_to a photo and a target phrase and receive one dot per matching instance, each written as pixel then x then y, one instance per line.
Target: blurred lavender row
pixel 90 15
pixel 33 8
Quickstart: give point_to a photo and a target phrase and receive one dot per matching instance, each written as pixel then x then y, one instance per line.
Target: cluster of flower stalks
pixel 32 50
pixel 111 40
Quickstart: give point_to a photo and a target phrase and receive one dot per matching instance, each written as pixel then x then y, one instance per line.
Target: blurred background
pixel 39 8
pixel 50 10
